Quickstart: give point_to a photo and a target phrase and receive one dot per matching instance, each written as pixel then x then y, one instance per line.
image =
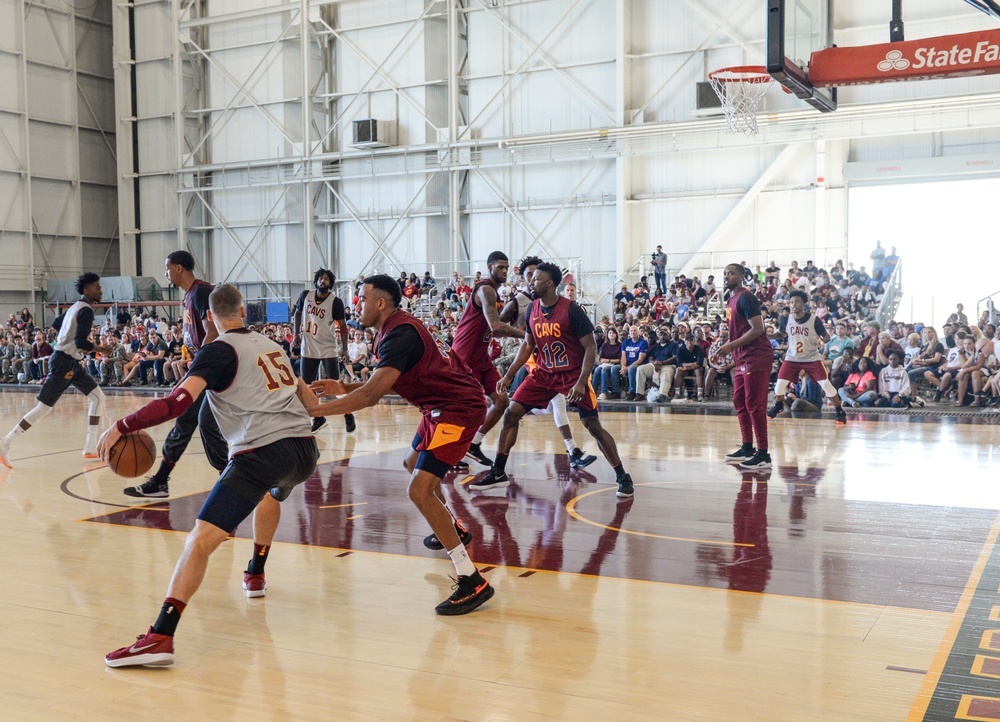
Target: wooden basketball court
pixel 855 582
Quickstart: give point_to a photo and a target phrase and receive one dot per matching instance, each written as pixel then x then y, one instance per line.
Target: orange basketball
pixel 132 455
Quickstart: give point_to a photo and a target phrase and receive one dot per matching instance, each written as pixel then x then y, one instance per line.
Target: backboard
pixel 795 30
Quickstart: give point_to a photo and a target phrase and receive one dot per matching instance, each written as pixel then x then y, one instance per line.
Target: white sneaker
pixel 602 397
pixel 5 454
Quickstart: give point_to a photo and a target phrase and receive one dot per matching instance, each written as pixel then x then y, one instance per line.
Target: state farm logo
pixel 933 57
pixel 894 60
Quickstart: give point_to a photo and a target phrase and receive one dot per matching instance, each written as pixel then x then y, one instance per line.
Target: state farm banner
pixel 948 56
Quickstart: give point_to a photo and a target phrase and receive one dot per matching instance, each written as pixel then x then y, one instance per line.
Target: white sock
pixel 460 558
pixel 570 444
pixel 478 438
pixel 13 434
pixel 93 434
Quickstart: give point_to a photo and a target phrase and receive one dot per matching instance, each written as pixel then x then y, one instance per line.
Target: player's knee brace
pixel 97 400
pixel 828 388
pixel 781 387
pixel 559 410
pixel 37 414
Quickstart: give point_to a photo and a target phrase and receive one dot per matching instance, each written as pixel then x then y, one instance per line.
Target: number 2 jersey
pixel 432 378
pixel 805 339
pixel 558 351
pixel 251 389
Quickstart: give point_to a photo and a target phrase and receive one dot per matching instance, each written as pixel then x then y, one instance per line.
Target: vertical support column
pixel 74 171
pixel 625 253
pixel 820 234
pixel 454 180
pixel 179 124
pixel 125 133
pixel 307 196
pixel 29 222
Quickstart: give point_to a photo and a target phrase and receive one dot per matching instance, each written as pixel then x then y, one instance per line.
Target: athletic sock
pixel 163 473
pixel 478 438
pixel 620 470
pixel 500 463
pixel 170 615
pixel 13 434
pixel 93 434
pixel 570 445
pixel 259 558
pixel 460 558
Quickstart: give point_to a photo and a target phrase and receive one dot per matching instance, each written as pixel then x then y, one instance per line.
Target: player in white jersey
pixel 806 336
pixel 65 369
pixel 321 328
pixel 261 410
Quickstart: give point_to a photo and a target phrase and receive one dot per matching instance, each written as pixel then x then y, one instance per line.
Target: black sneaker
pixel 625 489
pixel 493 480
pixel 349 423
pixel 475 453
pixel 464 536
pixel 841 416
pixel 760 460
pixel 578 461
pixel 318 423
pixel 742 454
pixel 469 593
pixel 775 410
pixel 150 489
pixel 461 467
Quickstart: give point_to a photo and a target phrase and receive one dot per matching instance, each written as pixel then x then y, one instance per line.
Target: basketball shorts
pixel 64 371
pixel 789 371
pixel 274 469
pixel 442 445
pixel 488 377
pixel 533 394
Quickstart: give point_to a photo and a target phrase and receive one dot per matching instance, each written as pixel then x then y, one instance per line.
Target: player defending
pixel 479 324
pixel 411 364
pixel 179 270
pixel 65 369
pixel 317 314
pixel 260 409
pixel 753 358
pixel 564 338
pixel 806 336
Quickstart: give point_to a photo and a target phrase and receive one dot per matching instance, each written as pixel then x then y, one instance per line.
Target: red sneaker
pixel 150 650
pixel 254 585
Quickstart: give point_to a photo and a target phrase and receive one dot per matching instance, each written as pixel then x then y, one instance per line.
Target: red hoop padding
pixel 741 74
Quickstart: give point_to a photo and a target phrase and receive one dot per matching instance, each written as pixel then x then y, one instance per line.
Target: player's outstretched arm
pixel 305 394
pixel 360 396
pixel 154 413
pixel 488 300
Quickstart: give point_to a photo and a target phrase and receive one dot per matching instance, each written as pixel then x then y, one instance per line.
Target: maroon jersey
pixel 558 351
pixel 440 384
pixel 195 308
pixel 473 335
pixel 740 308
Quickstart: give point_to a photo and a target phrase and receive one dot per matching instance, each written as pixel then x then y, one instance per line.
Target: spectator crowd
pixel 657 345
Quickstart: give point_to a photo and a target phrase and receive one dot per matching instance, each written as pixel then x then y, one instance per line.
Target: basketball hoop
pixel 740 89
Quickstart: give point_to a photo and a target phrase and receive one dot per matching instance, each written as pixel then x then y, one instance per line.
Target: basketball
pixel 132 455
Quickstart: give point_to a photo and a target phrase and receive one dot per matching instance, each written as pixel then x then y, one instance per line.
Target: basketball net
pixel 740 90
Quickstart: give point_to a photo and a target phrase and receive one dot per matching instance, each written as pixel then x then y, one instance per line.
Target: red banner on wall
pixel 948 56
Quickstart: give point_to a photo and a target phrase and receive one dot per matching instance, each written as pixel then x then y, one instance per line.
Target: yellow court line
pixel 926 692
pixel 571 504
pixel 338 506
pixel 356 516
pixel 467 479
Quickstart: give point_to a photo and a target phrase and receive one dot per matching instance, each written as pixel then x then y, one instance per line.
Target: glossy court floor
pixel 857 581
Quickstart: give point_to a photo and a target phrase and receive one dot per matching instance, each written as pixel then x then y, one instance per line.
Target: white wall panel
pixel 52 94
pixel 53 150
pixel 10 90
pixel 12 190
pixel 49 37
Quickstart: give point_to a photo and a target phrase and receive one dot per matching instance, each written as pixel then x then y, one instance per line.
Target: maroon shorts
pixel 533 394
pixel 789 371
pixel 445 442
pixel 488 377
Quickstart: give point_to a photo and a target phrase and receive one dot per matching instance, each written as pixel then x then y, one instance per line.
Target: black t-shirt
pixel 578 320
pixel 401 349
pixel 748 306
pixel 173 348
pixel 216 363
pixel 694 355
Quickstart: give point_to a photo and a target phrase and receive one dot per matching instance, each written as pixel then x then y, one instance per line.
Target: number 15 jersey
pixel 251 389
pixel 557 332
